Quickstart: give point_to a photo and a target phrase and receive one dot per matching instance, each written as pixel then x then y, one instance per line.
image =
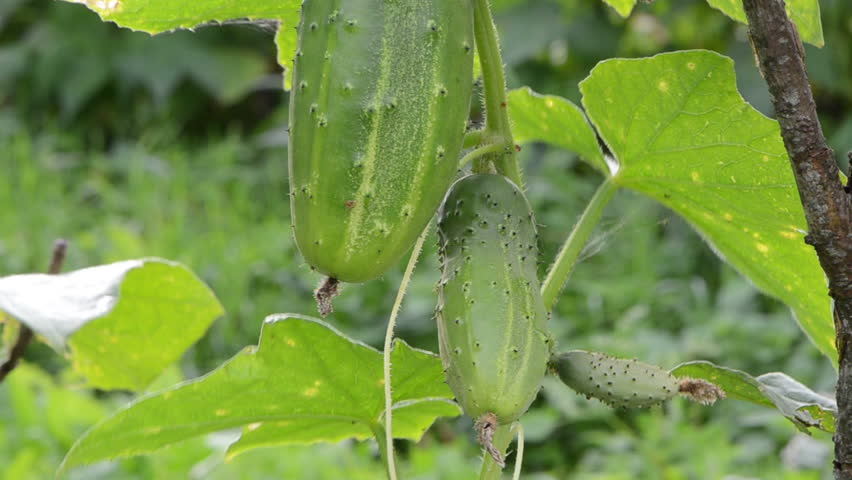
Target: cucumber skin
pixel 618 382
pixel 380 102
pixel 491 318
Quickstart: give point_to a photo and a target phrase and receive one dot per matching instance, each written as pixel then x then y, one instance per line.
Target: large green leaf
pixel 801 405
pixel 552 119
pixel 804 13
pixel 304 383
pixel 124 322
pixel 683 135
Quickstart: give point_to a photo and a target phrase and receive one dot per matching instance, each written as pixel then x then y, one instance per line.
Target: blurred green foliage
pixel 175 146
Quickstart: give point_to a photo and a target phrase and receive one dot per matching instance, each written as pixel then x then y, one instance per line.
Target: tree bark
pixel 827 205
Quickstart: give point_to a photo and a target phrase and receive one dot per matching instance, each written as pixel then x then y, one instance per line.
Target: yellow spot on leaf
pixel 762 247
pixel 153 430
pixel 549 103
pixel 790 235
pixel 695 176
pixel 221 412
pixel 290 342
pixel 311 392
pixel 691 65
pixel 727 216
pixel 253 426
pixel 663 86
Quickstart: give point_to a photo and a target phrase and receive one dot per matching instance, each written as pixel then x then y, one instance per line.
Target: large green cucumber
pixel 380 101
pixel 491 317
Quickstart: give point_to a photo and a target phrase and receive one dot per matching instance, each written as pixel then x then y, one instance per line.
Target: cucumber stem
pixel 386 441
pixel 481 152
pixel 472 139
pixel 494 86
pixel 565 260
pixel 491 470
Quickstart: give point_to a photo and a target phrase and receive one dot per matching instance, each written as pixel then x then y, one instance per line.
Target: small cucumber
pixel 380 101
pixel 617 382
pixel 491 317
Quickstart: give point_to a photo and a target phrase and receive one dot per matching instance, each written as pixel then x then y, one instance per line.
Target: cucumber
pixel 617 382
pixel 380 102
pixel 491 317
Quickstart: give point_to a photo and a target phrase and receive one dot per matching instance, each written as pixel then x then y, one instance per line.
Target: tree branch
pixel 828 208
pixel 25 335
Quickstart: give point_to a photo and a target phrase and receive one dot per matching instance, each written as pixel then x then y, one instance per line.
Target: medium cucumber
pixel 617 382
pixel 380 101
pixel 491 317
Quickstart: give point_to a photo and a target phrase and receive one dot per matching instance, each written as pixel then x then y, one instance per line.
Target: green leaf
pixel 801 405
pixel 552 119
pixel 804 13
pixel 124 322
pixel 157 16
pixel 683 136
pixel 11 328
pixel 286 41
pixel 623 7
pixel 410 421
pixel 324 385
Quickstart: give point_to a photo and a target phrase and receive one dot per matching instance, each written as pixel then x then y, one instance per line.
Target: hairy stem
pixel 387 453
pixel 519 457
pixel 25 334
pixel 828 208
pixel 494 84
pixel 387 444
pixel 565 260
pixel 481 152
pixel 472 138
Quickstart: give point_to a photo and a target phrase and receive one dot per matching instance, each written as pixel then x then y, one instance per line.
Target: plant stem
pixel 387 454
pixel 25 334
pixel 387 444
pixel 494 84
pixel 472 138
pixel 490 469
pixel 565 260
pixel 480 152
pixel 519 457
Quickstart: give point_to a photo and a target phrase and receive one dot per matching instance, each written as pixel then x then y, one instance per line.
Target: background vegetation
pixel 175 146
